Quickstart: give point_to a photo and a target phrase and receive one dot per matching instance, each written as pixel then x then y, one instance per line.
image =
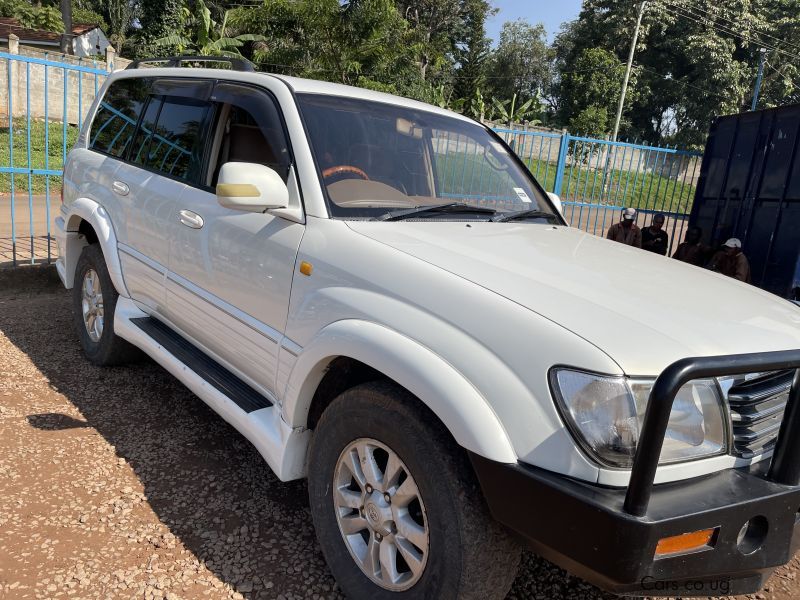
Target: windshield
pixel 380 159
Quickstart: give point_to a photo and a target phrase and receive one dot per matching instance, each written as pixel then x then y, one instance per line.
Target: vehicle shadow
pixel 203 480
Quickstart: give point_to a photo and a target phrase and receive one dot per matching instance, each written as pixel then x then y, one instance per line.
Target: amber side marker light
pixel 686 542
pixel 306 268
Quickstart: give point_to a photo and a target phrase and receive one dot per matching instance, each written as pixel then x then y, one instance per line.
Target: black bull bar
pixel 785 464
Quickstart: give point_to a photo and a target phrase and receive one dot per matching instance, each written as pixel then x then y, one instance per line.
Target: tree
pixel 472 49
pixel 205 37
pixel 519 64
pixel 591 91
pixel 33 17
pixel 434 25
pixel 363 42
pixel 120 15
pixel 87 16
pixel 157 19
pixel 695 59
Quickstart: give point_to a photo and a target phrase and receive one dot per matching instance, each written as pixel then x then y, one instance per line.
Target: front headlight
pixel 606 413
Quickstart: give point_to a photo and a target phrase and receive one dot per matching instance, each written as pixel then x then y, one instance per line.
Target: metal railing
pixel 43 102
pixel 597 178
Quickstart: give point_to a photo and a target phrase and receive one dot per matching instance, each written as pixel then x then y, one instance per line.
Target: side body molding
pixel 456 402
pixel 91 212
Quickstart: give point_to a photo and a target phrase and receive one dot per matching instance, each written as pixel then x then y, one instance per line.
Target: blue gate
pixel 43 101
pixel 596 179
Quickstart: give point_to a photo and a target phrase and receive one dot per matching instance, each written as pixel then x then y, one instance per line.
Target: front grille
pixel 757 409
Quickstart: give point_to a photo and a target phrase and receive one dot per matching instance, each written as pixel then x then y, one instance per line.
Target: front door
pixel 164 158
pixel 231 271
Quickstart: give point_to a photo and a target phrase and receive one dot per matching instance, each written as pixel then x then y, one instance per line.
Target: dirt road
pixel 119 483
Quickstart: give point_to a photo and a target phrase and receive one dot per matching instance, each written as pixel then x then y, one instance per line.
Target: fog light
pixel 752 535
pixel 686 542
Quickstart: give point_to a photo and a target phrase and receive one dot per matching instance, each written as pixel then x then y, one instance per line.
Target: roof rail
pixel 237 64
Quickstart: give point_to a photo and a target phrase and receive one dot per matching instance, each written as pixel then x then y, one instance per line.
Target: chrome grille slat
pixel 745 399
pixel 756 408
pixel 751 437
pixel 749 419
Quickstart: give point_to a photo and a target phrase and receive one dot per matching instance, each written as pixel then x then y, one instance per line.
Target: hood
pixel 644 310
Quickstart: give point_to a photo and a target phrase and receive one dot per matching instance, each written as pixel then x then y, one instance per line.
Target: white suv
pixel 379 296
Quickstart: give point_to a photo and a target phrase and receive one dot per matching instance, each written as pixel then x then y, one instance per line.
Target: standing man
pixel 731 261
pixel 626 231
pixel 692 250
pixel 654 238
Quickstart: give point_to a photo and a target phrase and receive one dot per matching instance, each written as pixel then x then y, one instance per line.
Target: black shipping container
pixel 749 188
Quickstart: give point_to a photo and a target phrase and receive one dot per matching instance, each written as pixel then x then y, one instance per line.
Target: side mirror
pixel 556 201
pixel 251 187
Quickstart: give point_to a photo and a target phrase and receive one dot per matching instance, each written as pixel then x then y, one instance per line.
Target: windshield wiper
pixel 450 207
pixel 520 215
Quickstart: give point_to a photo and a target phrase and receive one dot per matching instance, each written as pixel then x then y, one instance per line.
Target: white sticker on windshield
pixel 522 195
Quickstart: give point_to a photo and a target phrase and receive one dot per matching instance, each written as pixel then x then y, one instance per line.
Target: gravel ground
pixel 119 483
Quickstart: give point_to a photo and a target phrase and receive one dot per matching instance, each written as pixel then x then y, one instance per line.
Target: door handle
pixel 121 188
pixel 191 219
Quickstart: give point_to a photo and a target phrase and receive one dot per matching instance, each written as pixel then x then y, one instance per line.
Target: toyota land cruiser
pixel 380 297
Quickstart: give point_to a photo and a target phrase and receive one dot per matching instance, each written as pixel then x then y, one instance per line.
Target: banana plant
pixel 207 38
pixel 476 108
pixel 510 113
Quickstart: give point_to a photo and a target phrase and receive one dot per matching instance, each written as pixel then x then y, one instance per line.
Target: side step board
pixel 244 396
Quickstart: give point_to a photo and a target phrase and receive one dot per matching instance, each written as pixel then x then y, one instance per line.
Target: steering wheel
pixel 331 171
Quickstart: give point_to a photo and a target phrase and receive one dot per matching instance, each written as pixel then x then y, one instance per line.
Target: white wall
pixel 90 44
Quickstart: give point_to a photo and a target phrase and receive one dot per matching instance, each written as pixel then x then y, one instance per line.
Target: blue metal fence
pixel 45 99
pixel 596 178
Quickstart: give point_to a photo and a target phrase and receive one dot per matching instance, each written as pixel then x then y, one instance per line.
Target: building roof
pixel 38 36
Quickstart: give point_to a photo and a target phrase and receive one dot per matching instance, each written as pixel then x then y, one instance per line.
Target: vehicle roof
pixel 297 84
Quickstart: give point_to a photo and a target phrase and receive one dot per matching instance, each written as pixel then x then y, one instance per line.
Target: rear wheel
pixel 94 300
pixel 396 507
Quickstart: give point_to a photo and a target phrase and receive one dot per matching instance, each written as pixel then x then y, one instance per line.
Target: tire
pixel 108 348
pixel 469 555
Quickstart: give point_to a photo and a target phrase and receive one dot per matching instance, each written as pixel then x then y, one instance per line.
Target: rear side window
pixel 115 122
pixel 171 137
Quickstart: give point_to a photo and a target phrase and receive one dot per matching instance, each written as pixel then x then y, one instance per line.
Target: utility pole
pixel 762 57
pixel 610 148
pixel 628 71
pixel 66 16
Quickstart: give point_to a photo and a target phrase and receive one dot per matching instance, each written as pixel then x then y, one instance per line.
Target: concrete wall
pixel 44 86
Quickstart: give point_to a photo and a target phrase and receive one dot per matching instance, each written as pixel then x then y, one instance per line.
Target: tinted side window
pixel 172 137
pixel 254 131
pixel 117 114
pixel 145 131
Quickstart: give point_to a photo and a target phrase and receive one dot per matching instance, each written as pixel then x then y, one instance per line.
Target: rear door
pixel 231 271
pixel 165 156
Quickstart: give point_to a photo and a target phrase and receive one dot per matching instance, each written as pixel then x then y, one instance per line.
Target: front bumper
pixel 609 536
pixel 584 528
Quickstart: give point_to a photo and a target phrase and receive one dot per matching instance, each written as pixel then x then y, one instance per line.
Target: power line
pixel 702 20
pixel 715 15
pixel 750 40
pixel 675 81
pixel 784 75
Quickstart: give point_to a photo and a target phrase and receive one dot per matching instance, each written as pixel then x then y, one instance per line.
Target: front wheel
pixel 395 504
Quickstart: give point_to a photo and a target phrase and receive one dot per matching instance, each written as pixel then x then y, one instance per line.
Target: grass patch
pixel 636 189
pixel 469 174
pixel 46 152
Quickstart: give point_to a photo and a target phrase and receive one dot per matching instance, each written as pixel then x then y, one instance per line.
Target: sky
pixel 550 12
